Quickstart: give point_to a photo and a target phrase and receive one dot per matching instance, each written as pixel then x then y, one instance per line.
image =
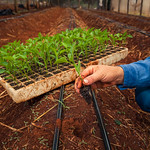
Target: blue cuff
pixel 129 76
pixel 129 79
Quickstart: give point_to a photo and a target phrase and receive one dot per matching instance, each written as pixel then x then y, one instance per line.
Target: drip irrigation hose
pixel 58 121
pixel 124 15
pixel 123 25
pixel 21 16
pixel 100 123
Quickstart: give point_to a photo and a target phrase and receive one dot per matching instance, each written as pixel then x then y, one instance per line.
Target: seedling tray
pixel 41 82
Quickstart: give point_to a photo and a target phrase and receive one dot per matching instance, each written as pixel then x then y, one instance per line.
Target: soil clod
pixel 85 91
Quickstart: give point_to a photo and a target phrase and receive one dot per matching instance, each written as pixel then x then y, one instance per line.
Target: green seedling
pixel 118 122
pixel 70 46
pixel 72 61
pixel 43 141
pixel 58 53
pixel 125 36
pixel 66 107
pixel 82 142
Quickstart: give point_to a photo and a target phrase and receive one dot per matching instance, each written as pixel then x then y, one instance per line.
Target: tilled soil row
pixel 29 26
pixel 137 22
pixel 138 43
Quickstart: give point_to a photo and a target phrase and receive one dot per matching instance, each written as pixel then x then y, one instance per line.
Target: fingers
pixel 92 74
pixel 91 79
pixel 78 84
pixel 101 75
pixel 88 80
pixel 89 75
pixel 88 71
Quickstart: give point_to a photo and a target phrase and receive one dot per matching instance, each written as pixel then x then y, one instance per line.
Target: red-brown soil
pixel 79 126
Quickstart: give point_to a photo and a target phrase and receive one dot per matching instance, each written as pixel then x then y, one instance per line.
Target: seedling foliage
pixel 70 46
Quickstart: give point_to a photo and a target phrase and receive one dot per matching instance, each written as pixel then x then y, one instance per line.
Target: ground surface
pixel 128 127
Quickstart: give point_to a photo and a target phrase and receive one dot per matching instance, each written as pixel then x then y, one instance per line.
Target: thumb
pixel 90 79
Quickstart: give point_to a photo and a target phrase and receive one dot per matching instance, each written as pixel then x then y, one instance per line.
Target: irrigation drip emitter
pixel 58 121
pixel 100 123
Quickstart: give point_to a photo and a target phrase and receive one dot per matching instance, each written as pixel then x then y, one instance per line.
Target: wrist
pixel 120 75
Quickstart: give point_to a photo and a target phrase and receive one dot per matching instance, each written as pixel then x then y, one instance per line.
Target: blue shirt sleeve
pixel 136 74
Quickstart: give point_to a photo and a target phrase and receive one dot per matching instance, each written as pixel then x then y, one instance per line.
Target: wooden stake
pixel 88 4
pixel 16 6
pixel 106 4
pixel 69 3
pixel 58 2
pixel 37 4
pixel 141 8
pixel 128 7
pixel 98 7
pixel 135 5
pixel 119 6
pixel 79 4
pixel 28 4
pixel 109 5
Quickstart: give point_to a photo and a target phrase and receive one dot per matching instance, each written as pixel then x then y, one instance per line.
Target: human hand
pixel 100 76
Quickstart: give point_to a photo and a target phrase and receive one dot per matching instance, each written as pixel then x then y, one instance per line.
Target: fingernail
pixel 85 81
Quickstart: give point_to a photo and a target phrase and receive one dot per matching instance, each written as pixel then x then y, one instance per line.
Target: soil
pixel 30 125
pixel 85 91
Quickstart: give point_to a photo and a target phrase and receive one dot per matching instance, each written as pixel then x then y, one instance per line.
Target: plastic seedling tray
pixel 41 81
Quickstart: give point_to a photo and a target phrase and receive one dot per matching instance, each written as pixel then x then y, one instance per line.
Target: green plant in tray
pixel 72 61
pixel 23 59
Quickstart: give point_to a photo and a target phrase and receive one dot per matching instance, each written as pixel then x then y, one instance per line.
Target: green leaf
pixel 70 57
pixel 118 122
pixel 5 64
pixel 9 77
pixel 2 71
pixel 78 67
pixel 62 51
pixel 130 36
pixel 52 56
pixel 40 63
pixel 40 35
pixel 72 48
pixel 61 60
pixel 66 44
pixel 8 57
